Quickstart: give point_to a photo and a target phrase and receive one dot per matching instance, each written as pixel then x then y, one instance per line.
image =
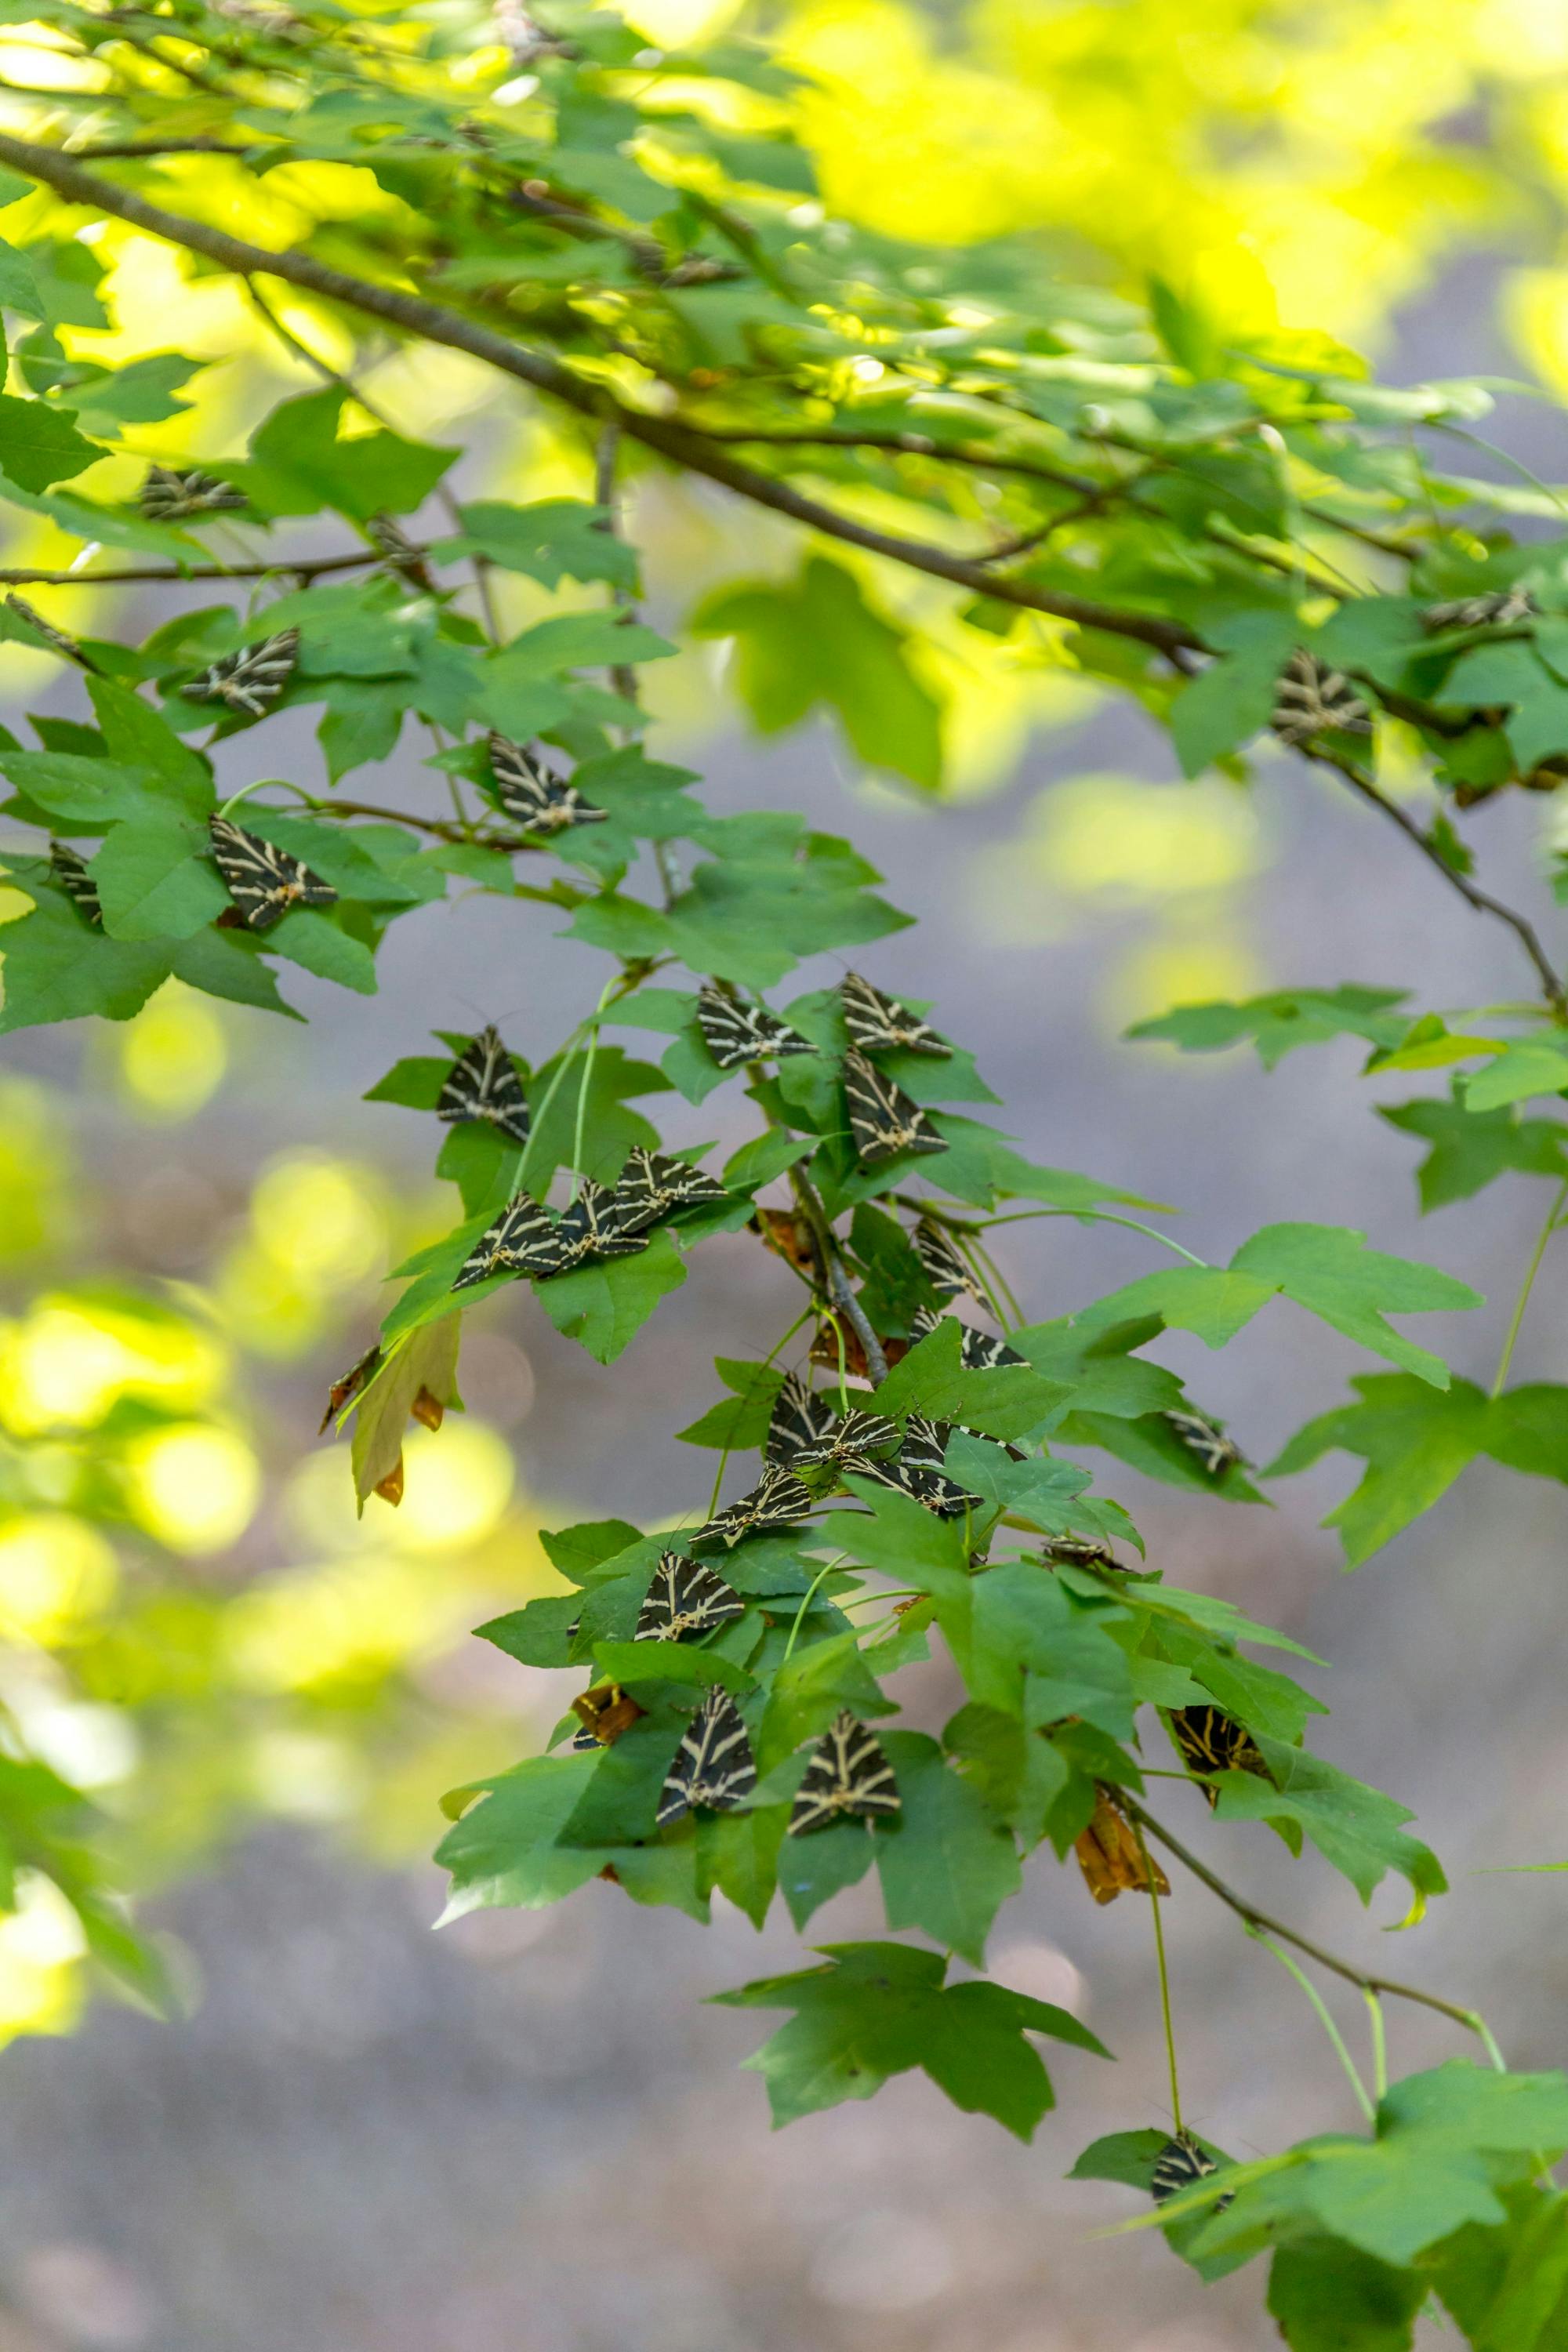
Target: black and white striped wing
pixel 263 880
pixel 1500 609
pixel 925 1442
pixel 251 679
pixel 880 1025
pixel 883 1119
pixel 523 1239
pixel 946 1267
pixel 651 1186
pixel 736 1033
pixel 713 1766
pixel 1310 698
pixel 849 1773
pixel 55 638
pixel 857 1435
pixel 533 795
pixel 981 1352
pixel 1205 1439
pixel 1181 2164
pixel 802 1416
pixel 70 872
pixel 778 1500
pixel 933 1490
pixel 482 1084
pixel 1077 1551
pixel 592 1226
pixel 685 1598
pixel 1211 1741
pixel 168 496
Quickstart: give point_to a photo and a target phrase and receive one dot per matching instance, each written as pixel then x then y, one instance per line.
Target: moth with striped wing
pixel 603 1713
pixel 978 1351
pixel 880 1025
pixel 736 1033
pixel 483 1085
pixel 70 872
pixel 251 679
pixel 883 1119
pixel 526 1239
pixel 263 881
pixel 848 1773
pixel 778 1500
pixel 1181 2164
pixel 1310 698
pixel 1211 1741
pixel 533 795
pixel 714 1765
pixel 847 1441
pixel 166 494
pixel 933 1490
pixel 651 1186
pixel 947 1270
pixel 1205 1439
pixel 802 1416
pixel 55 638
pixel 685 1598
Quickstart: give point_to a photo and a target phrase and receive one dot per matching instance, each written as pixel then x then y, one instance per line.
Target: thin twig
pixel 833 1275
pixel 681 444
pixel 1365 1978
pixel 304 566
pixel 1481 900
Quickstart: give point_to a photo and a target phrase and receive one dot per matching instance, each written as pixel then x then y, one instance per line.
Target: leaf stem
pixel 1379 2042
pixel 1164 1973
pixel 1470 2018
pixel 1099 1217
pixel 808 1597
pixel 1532 1270
pixel 1324 2019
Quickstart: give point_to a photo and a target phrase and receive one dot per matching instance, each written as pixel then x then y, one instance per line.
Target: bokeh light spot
pixel 194 1487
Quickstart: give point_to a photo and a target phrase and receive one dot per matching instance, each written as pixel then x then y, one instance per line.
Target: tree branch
pixel 684 445
pixel 1271 1927
pixel 1480 900
pixel 308 567
pixel 833 1273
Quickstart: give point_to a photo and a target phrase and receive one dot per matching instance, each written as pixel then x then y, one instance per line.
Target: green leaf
pixel 551 540
pixel 605 1306
pixel 87 795
pixel 299 465
pixel 1532 1067
pixel 1416 1442
pixel 416 1082
pixel 54 966
pixel 40 443
pixel 1356 1829
pixel 1280 1021
pixel 1328 2296
pixel 427 1361
pixel 738 1855
pixel 155 880
pixel 562 1095
pixel 1446 2141
pixel 818 641
pixel 877 2009
pixel 740 1421
pixel 1009 1401
pixel 1326 1269
pixel 1471 1149
pixel 947 1864
pixel 135 736
pixel 309 937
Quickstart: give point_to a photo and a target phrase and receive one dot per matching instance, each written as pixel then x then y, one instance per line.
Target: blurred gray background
pixel 525 2134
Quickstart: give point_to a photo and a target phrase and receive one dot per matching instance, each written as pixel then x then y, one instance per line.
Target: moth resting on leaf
pixel 714 1765
pixel 685 1597
pixel 848 1773
pixel 736 1033
pixel 533 795
pixel 251 679
pixel 263 881
pixel 880 1025
pixel 883 1119
pixel 483 1084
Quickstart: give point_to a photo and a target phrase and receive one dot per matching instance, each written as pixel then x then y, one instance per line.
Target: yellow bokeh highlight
pixel 321 1217
pixel 194 1487
pixel 173 1055
pixel 37 1204
pixel 67 1362
pixel 345 1625
pixel 56 1573
pixel 458 1483
pixel 42 1953
pixel 1181 966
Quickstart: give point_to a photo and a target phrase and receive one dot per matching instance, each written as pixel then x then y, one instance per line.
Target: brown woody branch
pixel 1249 1912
